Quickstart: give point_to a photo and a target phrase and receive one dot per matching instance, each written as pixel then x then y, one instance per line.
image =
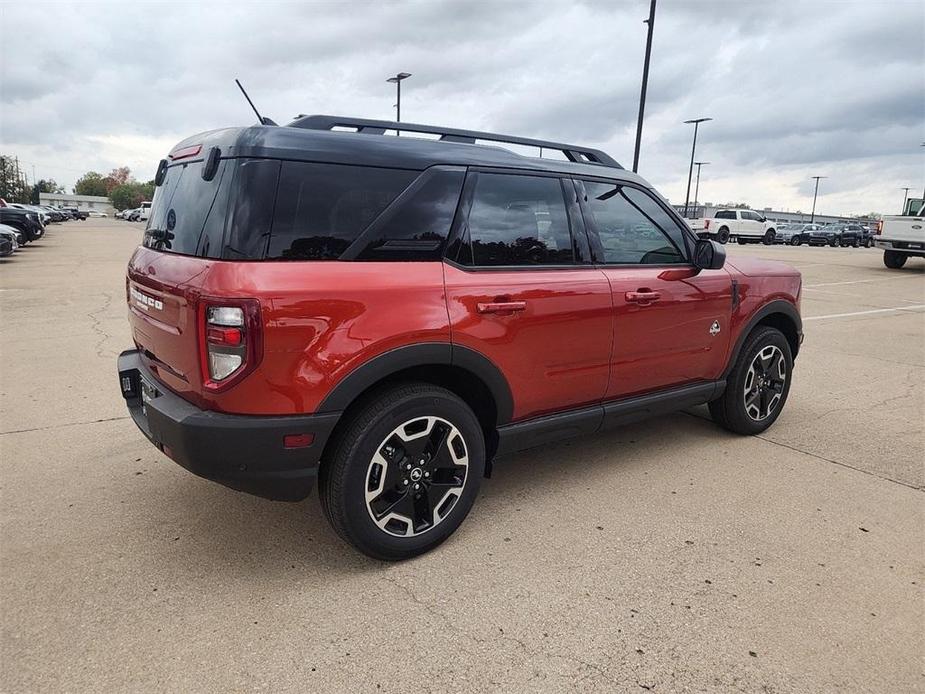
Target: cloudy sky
pixel 795 89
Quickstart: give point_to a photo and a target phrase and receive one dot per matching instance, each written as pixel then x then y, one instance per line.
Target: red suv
pixel 390 314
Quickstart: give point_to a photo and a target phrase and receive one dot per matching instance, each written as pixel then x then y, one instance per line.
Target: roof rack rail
pixel 366 126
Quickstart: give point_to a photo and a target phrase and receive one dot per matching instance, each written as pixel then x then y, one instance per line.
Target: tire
pixel 855 243
pixel 795 241
pixel 893 259
pixel 723 235
pixel 834 243
pixel 768 238
pixel 741 241
pixel 373 449
pixel 740 410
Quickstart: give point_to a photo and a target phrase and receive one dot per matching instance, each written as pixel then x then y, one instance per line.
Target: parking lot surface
pixel 666 556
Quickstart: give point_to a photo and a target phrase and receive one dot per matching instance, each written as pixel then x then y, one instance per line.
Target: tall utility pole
pixel 815 194
pixel 397 80
pixel 905 198
pixel 690 171
pixel 645 83
pixel 698 164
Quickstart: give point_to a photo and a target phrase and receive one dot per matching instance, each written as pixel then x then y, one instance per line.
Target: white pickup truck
pixel 901 237
pixel 745 226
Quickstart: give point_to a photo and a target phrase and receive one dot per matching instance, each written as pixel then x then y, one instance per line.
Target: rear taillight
pixel 879 229
pixel 706 224
pixel 230 341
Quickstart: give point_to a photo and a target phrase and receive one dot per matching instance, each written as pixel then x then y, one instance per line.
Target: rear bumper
pixel 910 248
pixel 242 452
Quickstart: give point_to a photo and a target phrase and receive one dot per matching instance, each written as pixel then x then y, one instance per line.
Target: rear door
pixel 671 321
pixel 521 291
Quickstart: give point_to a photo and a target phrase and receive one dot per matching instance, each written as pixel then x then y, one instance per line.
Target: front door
pixel 671 322
pixel 520 290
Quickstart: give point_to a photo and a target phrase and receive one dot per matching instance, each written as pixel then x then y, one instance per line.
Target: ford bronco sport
pixel 387 315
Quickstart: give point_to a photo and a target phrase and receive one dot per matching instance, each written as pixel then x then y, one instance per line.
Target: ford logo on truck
pixel 146 302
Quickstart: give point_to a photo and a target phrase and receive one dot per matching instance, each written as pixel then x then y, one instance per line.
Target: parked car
pixel 76 213
pixel 901 237
pixel 25 221
pixel 96 213
pixel 790 234
pixel 391 314
pixel 850 234
pixel 143 212
pixel 16 233
pixel 867 236
pixel 821 235
pixel 746 226
pixel 8 241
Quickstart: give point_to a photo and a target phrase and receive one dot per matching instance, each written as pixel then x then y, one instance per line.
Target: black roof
pixel 312 138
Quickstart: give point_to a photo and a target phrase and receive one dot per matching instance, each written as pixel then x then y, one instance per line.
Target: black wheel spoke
pixel 765 382
pixel 415 470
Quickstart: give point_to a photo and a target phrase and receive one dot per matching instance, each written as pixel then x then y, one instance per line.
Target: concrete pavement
pixel 666 556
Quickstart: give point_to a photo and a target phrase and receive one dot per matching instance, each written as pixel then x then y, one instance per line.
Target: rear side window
pixel 415 226
pixel 518 220
pixel 724 214
pixel 180 208
pixel 321 209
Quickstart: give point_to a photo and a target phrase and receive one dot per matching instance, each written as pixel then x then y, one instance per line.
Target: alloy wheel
pixel 764 383
pixel 416 476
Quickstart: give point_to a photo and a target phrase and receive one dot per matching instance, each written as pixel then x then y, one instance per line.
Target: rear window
pixel 321 209
pixel 180 208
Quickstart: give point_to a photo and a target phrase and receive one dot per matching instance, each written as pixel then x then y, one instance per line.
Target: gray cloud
pixel 795 88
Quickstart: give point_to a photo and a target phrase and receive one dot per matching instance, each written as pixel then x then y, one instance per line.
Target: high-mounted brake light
pixel 230 341
pixel 185 152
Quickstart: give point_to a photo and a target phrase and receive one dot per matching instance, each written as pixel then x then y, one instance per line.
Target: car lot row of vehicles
pixel 747 226
pixel 833 235
pixel 137 214
pixel 20 225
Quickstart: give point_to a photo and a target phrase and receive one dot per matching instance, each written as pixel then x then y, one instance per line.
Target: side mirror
pixel 709 255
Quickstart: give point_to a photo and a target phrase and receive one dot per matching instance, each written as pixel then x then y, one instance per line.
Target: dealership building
pixel 81 202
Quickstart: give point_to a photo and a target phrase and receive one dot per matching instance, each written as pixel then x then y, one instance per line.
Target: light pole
pixel 645 83
pixel 815 193
pixel 698 164
pixel 690 171
pixel 905 198
pixel 397 80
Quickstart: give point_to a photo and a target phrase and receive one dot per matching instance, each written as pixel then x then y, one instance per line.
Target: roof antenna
pixel 261 119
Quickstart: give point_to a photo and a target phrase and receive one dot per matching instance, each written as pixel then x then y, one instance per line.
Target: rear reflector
pixel 224 336
pixel 298 440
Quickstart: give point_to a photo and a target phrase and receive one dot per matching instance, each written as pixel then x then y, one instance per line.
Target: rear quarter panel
pixel 322 320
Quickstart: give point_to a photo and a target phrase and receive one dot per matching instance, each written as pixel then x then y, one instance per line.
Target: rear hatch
pixel 168 274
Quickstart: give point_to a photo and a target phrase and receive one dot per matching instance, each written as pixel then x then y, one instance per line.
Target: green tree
pixel 130 195
pixel 45 186
pixel 13 187
pixel 91 183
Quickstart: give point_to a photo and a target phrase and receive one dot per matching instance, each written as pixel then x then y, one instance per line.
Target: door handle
pixel 502 306
pixel 643 297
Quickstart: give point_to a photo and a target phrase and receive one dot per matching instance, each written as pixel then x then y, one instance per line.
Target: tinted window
pixel 416 224
pixel 180 207
pixel 322 208
pixel 631 226
pixel 725 214
pixel 519 220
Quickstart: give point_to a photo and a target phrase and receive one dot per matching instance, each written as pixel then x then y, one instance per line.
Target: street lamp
pixel 905 198
pixel 815 193
pixel 645 83
pixel 698 164
pixel 397 80
pixel 690 171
